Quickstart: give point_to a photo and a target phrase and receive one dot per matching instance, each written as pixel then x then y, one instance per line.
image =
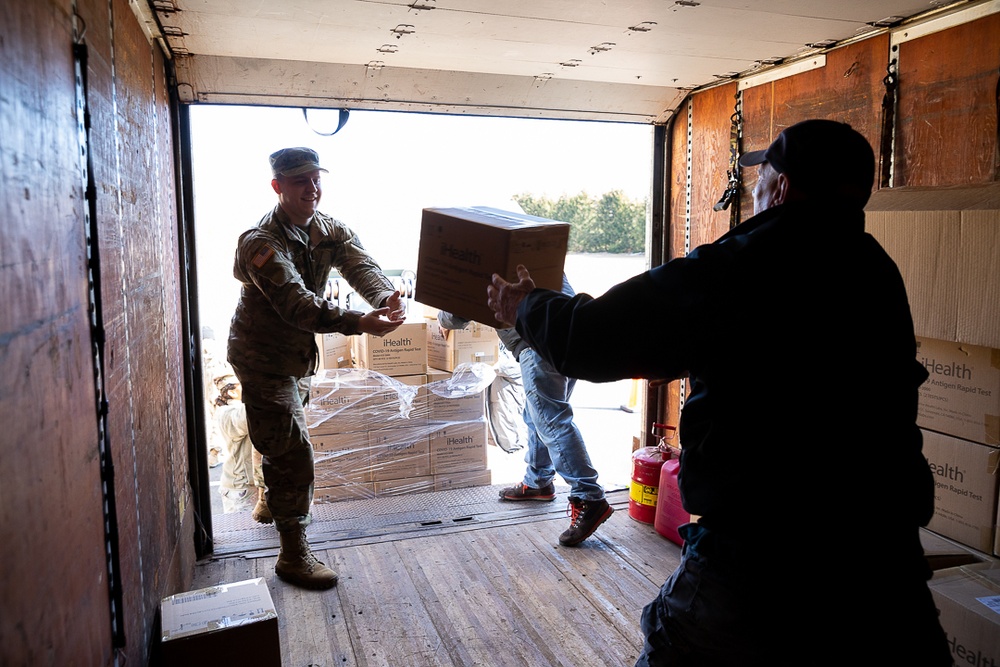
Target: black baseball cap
pixel 818 155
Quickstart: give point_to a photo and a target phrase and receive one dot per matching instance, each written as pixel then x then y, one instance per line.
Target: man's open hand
pixel 503 297
pixel 384 320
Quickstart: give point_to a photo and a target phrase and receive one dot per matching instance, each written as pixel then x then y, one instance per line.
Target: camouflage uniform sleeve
pixel 264 261
pixel 363 273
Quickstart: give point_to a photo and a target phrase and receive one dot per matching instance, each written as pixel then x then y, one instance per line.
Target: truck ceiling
pixel 612 60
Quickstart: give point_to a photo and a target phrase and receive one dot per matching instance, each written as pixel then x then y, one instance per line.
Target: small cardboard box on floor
pixel 461 249
pixel 968 598
pixel 965 489
pixel 227 624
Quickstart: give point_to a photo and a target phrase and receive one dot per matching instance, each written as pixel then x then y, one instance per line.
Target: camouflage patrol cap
pixel 294 161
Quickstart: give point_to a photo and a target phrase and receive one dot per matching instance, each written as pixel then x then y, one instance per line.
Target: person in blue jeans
pixel 555 444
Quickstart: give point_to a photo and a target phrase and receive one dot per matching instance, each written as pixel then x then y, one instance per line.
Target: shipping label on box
pixel 334 350
pixel 458 446
pixel 968 599
pixel 965 493
pixel 446 349
pixel 962 395
pixel 399 452
pixel 230 622
pixel 461 248
pixel 402 352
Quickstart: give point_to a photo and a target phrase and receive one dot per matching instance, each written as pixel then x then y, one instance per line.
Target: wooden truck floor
pixel 456 578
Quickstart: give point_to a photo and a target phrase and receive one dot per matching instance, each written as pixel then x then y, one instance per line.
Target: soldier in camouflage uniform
pixel 283 264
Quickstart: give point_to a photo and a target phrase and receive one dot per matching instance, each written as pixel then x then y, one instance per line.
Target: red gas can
pixel 646 464
pixel 670 514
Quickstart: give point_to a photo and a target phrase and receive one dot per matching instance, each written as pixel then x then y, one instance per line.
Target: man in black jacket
pixel 800 449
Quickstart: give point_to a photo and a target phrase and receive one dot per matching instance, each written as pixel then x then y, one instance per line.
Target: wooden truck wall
pixel 56 599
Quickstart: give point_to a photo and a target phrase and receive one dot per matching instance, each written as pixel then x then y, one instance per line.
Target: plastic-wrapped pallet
pixel 375 434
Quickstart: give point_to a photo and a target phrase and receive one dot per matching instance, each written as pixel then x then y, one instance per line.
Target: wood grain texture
pixel 501 595
pixel 947 118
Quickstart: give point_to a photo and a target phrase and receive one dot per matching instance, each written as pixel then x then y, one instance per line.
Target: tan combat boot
pixel 261 513
pixel 297 564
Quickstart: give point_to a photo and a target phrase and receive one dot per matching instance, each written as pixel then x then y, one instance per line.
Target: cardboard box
pixel 968 598
pixel 335 350
pixel 962 395
pixel 946 242
pixel 404 486
pixel 455 399
pixel 965 494
pixel 230 623
pixel 461 249
pixel 462 480
pixel 396 453
pixel 341 492
pixel 446 349
pixel 402 352
pixel 349 400
pixel 996 537
pixel 942 553
pixel 341 458
pixel 458 447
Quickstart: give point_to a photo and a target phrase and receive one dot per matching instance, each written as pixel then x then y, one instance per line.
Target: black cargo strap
pixel 888 125
pixel 731 196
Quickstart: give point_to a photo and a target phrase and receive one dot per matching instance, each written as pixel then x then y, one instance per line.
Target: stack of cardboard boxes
pixel 385 421
pixel 406 413
pixel 947 246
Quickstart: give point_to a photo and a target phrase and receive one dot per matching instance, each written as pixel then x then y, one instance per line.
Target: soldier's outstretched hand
pixel 377 322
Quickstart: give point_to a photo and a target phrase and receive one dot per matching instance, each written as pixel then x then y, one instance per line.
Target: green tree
pixel 613 223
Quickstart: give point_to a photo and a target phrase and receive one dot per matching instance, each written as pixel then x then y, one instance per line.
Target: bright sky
pixel 386 167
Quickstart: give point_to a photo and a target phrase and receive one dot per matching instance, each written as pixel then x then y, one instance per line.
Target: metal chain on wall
pixel 887 136
pixel 731 196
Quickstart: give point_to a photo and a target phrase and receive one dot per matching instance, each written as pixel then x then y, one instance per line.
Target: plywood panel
pixel 947 119
pixel 849 89
pixel 711 138
pixel 51 524
pixel 676 228
pixel 147 260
